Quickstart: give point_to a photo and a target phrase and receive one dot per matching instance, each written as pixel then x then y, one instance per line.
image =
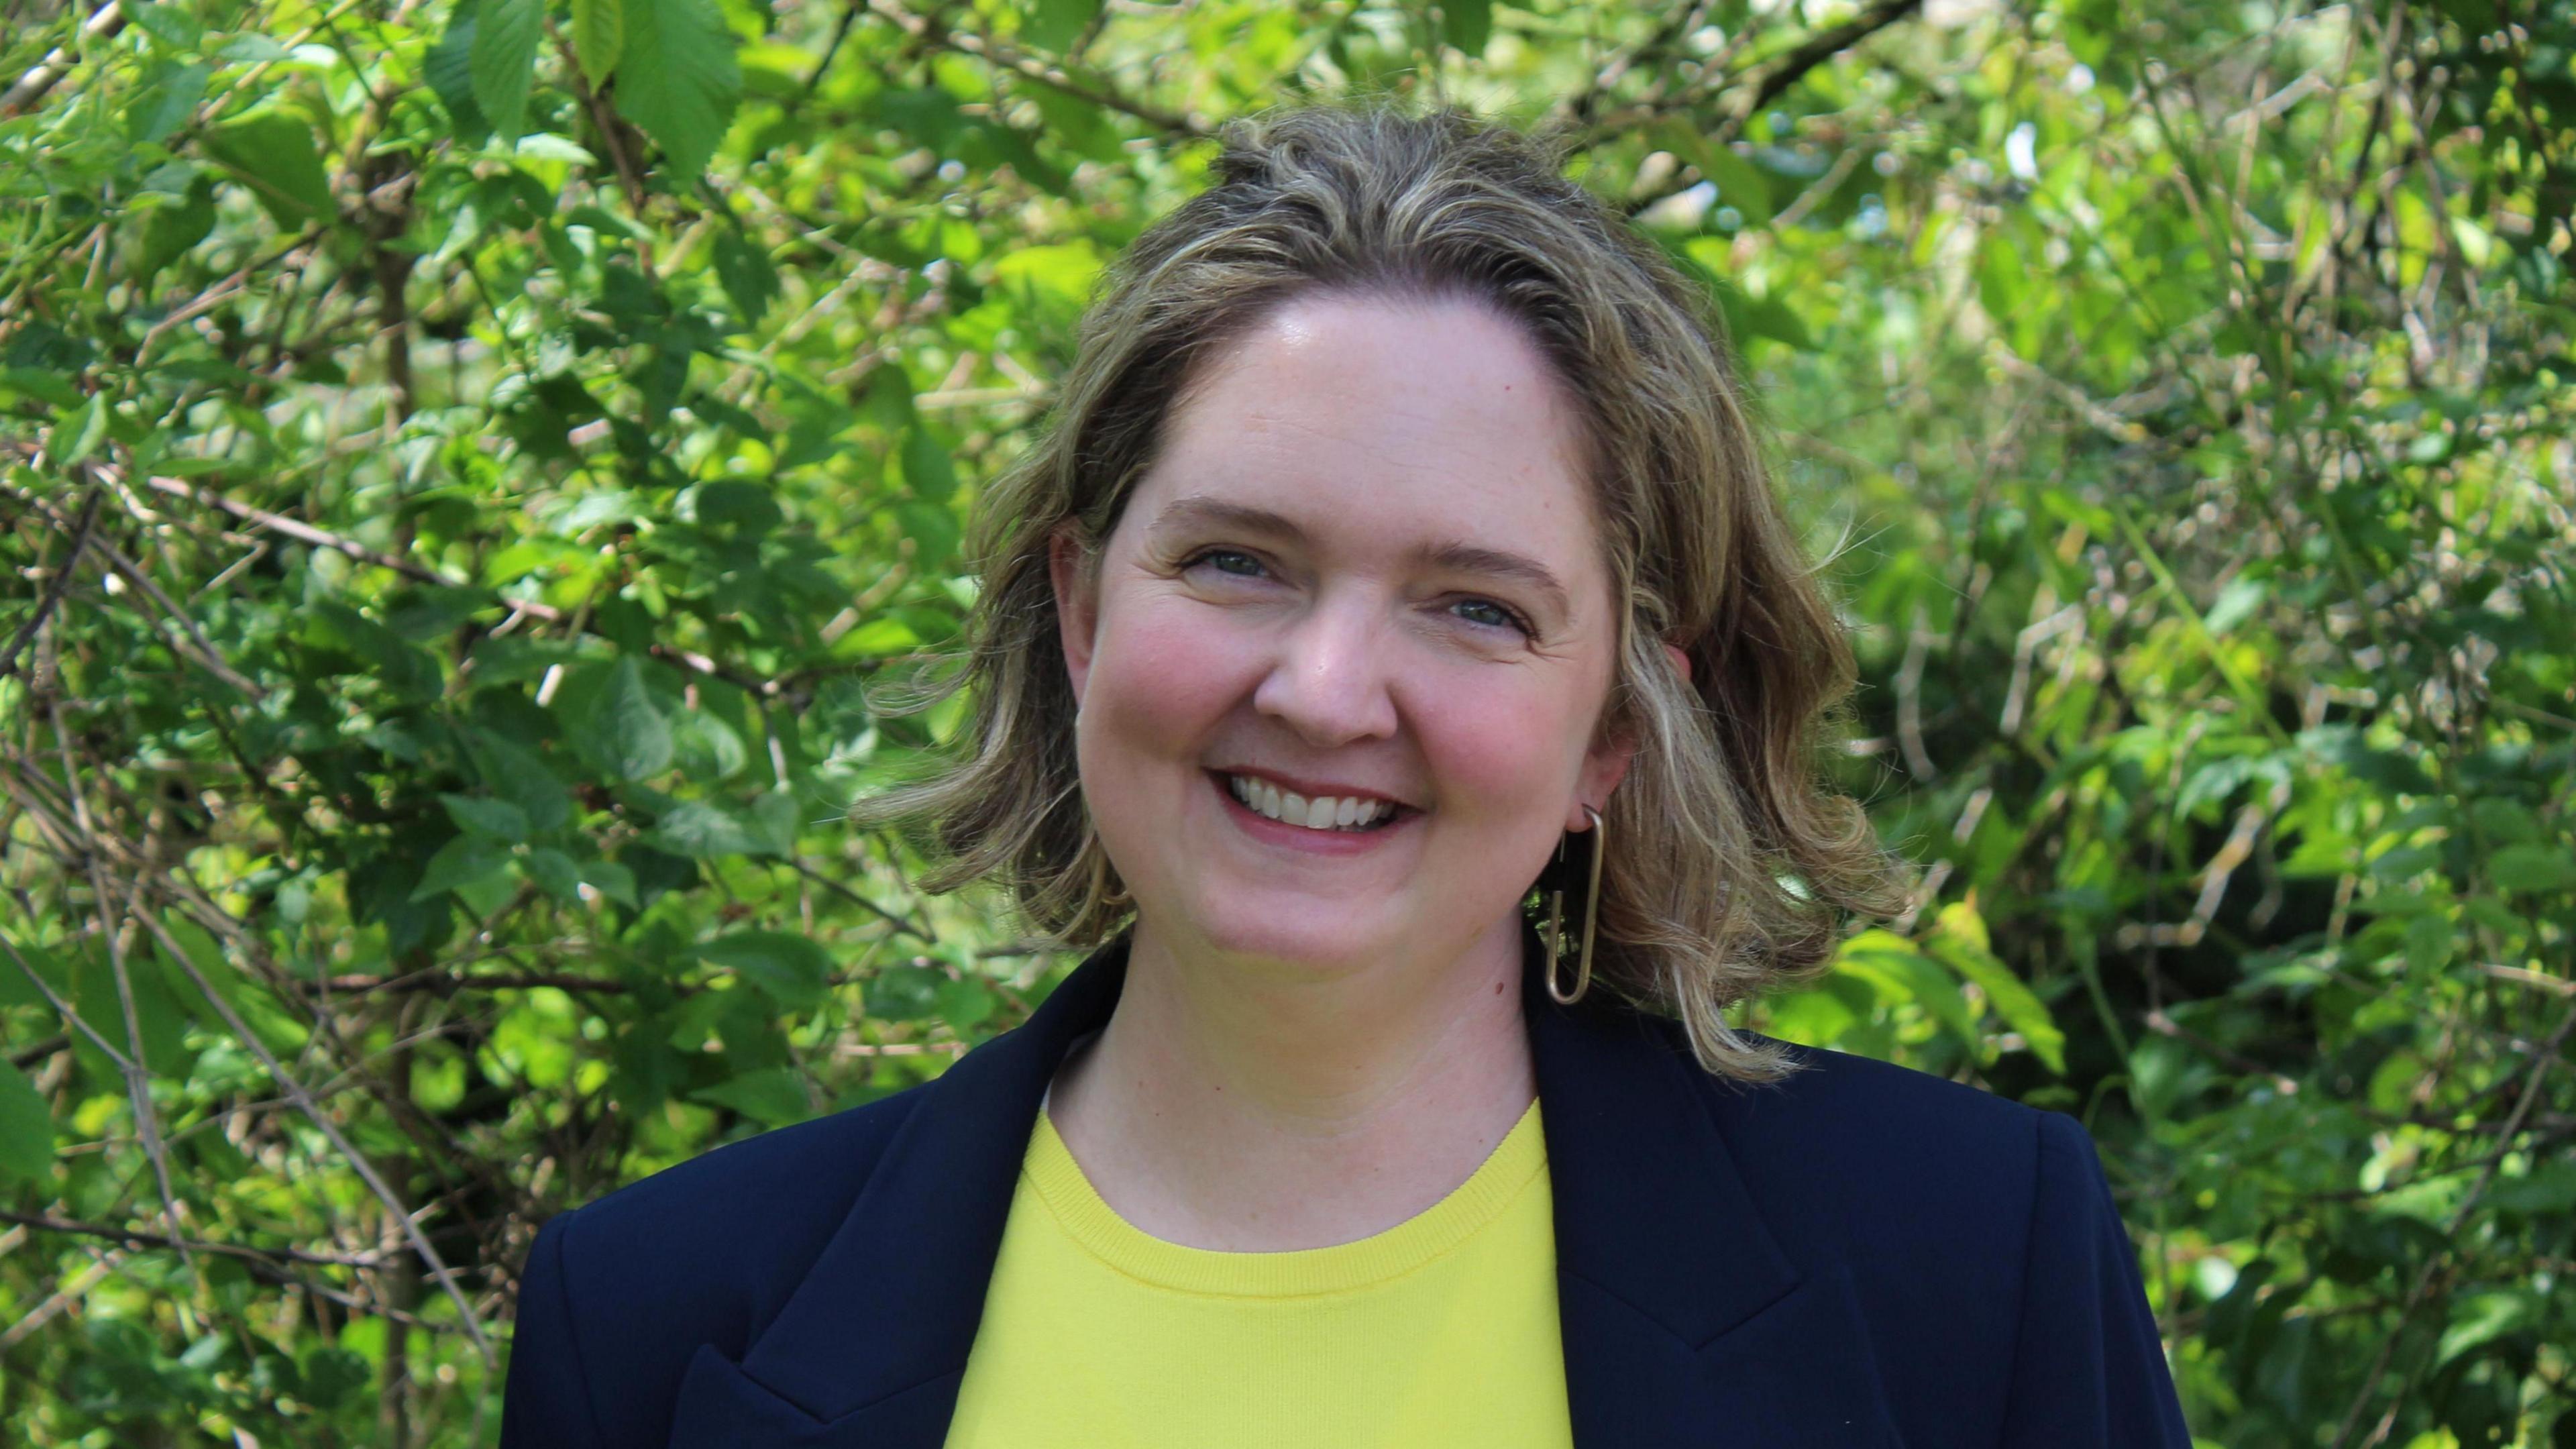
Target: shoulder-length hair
pixel 1730 859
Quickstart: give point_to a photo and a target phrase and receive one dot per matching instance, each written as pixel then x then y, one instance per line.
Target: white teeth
pixel 1323 813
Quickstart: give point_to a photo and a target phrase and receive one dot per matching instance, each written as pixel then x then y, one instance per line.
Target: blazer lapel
pixel 1681 1321
pixel 870 1348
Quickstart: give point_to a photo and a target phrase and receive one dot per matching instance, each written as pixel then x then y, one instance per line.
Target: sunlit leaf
pixel 678 79
pixel 598 36
pixel 26 1128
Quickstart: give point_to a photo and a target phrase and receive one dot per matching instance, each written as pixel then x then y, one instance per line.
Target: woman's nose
pixel 1329 680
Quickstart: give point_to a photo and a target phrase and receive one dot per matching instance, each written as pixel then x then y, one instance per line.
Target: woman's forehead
pixel 1377 369
pixel 1434 416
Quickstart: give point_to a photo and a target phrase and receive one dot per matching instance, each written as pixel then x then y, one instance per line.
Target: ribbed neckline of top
pixel 1510 1168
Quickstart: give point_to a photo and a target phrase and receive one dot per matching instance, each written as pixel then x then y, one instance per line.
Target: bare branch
pixel 31 87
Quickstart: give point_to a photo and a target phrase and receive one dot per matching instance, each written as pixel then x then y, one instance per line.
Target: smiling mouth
pixel 1325 816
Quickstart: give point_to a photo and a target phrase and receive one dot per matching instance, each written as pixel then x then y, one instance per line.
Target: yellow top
pixel 1440 1331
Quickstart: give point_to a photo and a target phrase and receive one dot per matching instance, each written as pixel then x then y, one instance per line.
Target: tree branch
pixel 134 1238
pixel 935 31
pixel 44 76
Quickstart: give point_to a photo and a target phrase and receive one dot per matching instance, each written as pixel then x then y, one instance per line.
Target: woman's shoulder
pixel 1875 1104
pixel 1870 1150
pixel 736 1225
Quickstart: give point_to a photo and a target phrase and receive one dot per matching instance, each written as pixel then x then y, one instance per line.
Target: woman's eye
pixel 1495 615
pixel 1213 554
pixel 1503 618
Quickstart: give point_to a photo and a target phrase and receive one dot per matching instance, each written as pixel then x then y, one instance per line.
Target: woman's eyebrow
pixel 1455 555
pixel 1462 557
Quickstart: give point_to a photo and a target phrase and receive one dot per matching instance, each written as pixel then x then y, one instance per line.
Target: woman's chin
pixel 1324 936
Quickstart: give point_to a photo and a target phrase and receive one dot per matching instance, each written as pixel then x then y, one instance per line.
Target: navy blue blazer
pixel 1864 1255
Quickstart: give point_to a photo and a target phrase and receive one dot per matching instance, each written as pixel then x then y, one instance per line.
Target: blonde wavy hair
pixel 1731 860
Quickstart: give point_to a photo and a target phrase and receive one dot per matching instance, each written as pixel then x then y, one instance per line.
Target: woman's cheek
pixel 1169 677
pixel 1491 748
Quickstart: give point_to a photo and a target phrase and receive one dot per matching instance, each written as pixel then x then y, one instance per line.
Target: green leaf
pixel 1054 25
pixel 747 509
pixel 165 102
pixel 168 24
pixel 2548 1191
pixel 966 1004
pixel 634 738
pixel 1467 24
pixel 1959 941
pixel 504 60
pixel 449 68
pixel 172 229
pixel 749 281
pixel 2507 822
pixel 497 820
pixel 775 820
pixel 611 880
pixel 707 748
pixel 927 470
pixel 774 1096
pixel 1052 279
pixel 904 993
pixel 462 862
pixel 598 36
pixel 1740 184
pixel 678 78
pixel 697 828
pixel 1901 972
pixel 433 611
pixel 332 1374
pixel 273 153
pixel 2481 1319
pixel 887 635
pixel 2533 868
pixel 26 1128
pixel 791 969
pixel 88 430
pixel 15 988
pixel 934 532
pixel 520 775
pixel 553 872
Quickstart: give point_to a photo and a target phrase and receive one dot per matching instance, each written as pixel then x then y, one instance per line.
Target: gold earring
pixel 1556 912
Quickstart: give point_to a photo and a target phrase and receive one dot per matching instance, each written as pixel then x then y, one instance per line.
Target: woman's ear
pixel 1606 767
pixel 1602 773
pixel 1077 609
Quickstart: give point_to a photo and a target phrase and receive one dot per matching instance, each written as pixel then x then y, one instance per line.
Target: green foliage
pixel 463 468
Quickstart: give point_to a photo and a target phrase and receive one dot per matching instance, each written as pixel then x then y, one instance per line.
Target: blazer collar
pixel 1679 1312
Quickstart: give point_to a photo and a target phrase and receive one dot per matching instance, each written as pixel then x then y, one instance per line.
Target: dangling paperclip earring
pixel 1556 913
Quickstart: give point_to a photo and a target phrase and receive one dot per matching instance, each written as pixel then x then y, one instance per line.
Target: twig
pixel 31 87
pixel 442 984
pixel 195 647
pixel 55 588
pixel 313 1112
pixel 2542 1061
pixel 134 1238
pixel 138 1078
pixel 323 538
pixel 1775 81
pixel 2531 978
pixel 937 32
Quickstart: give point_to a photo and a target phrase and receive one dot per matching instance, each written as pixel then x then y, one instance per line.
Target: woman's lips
pixel 1300 837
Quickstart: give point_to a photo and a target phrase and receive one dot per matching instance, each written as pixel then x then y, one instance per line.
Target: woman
pixel 1400 545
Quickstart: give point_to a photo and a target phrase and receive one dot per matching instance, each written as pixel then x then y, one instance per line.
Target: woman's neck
pixel 1252 1109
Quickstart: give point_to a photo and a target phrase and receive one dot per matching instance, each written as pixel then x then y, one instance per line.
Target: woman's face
pixel 1363 566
